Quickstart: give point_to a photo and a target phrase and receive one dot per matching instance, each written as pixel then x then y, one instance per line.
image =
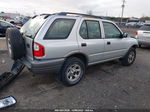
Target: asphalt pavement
pixel 105 86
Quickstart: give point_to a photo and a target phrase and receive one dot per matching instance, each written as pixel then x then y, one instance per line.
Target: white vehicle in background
pixel 143 35
pixel 140 24
pixel 134 22
pixel 131 24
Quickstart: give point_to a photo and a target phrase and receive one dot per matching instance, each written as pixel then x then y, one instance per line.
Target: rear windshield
pixel 31 28
pixel 145 27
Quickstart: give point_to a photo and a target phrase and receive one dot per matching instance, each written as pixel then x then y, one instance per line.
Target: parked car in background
pixel 3 27
pixel 18 20
pixel 143 35
pixel 131 24
pixel 134 22
pixel 10 20
pixel 121 24
pixel 140 24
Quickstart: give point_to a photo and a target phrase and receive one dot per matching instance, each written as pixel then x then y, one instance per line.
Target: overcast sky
pixel 134 8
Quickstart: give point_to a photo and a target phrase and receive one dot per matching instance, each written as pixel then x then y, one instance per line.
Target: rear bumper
pixel 43 66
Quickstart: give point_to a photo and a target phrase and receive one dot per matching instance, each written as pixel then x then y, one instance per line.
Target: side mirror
pixel 124 35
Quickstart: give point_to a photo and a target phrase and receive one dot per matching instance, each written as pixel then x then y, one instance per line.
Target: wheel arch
pixel 81 56
pixel 134 46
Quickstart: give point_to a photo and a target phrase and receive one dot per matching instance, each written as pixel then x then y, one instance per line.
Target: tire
pixel 15 43
pixel 140 46
pixel 129 58
pixel 72 66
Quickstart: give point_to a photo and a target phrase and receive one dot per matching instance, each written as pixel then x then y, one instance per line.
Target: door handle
pixel 108 43
pixel 83 44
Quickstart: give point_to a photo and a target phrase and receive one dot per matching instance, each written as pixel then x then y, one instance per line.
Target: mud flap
pixel 7 77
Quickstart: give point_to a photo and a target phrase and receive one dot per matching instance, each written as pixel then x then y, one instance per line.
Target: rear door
pixel 30 31
pixel 90 40
pixel 114 45
pixel 29 44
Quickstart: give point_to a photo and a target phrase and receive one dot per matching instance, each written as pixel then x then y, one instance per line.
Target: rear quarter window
pixel 60 29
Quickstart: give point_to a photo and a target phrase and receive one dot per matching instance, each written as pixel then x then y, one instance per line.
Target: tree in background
pixel 145 18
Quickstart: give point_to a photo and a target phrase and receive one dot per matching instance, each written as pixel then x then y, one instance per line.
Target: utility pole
pixel 123 6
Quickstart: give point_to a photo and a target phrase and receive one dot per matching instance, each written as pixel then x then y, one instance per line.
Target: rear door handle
pixel 83 44
pixel 108 43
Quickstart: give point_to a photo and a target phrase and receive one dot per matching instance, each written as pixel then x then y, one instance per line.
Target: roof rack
pixel 71 13
pixel 46 15
pixel 79 14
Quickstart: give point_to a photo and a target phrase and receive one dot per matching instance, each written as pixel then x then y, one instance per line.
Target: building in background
pixel 8 15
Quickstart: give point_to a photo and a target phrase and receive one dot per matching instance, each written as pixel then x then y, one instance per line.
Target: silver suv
pixel 67 43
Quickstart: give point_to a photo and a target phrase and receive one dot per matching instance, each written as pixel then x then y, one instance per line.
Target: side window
pixel 83 30
pixel 93 30
pixel 111 31
pixel 90 30
pixel 60 29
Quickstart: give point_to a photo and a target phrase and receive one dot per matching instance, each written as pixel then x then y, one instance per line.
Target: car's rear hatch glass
pixel 31 28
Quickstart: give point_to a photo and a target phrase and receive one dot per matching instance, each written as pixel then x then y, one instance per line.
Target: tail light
pixel 38 50
pixel 136 33
pixel 136 36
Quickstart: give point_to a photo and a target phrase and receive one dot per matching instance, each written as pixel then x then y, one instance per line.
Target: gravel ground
pixel 105 86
